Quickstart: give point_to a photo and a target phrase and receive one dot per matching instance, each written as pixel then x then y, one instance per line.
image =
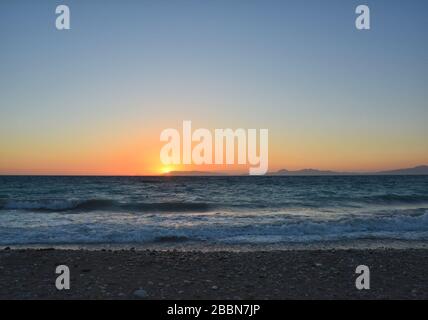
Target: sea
pixel 224 211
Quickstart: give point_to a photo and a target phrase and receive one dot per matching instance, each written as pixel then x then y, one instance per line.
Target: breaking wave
pixel 226 229
pixel 102 204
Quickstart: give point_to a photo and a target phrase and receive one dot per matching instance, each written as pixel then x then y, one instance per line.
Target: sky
pixel 94 99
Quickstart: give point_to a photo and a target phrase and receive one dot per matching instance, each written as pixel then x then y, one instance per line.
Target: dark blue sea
pixel 211 210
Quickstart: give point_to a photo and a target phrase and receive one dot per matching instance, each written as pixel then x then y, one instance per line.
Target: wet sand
pixel 291 274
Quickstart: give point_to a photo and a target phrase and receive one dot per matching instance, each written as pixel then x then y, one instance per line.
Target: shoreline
pixel 185 246
pixel 177 275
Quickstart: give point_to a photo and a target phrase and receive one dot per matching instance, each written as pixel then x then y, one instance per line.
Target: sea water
pixel 211 210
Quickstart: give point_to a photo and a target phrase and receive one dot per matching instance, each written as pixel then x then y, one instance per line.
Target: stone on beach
pixel 141 293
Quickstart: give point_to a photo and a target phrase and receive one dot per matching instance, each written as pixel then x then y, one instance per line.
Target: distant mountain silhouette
pixel 420 170
pixel 309 172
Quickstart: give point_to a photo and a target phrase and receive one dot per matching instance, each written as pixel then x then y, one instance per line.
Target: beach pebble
pixel 141 293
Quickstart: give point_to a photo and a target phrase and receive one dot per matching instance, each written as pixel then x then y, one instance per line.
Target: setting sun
pixel 166 169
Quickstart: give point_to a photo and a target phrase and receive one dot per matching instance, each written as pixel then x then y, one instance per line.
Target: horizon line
pixel 196 173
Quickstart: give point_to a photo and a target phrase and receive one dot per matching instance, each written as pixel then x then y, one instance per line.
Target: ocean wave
pixel 102 204
pixel 38 204
pixel 109 205
pixel 399 225
pixel 395 199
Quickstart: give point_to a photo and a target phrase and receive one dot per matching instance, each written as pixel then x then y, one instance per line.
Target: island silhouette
pixel 418 170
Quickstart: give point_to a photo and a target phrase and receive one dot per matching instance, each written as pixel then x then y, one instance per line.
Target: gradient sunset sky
pixel 94 99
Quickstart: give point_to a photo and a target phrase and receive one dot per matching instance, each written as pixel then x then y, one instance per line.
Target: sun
pixel 166 169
